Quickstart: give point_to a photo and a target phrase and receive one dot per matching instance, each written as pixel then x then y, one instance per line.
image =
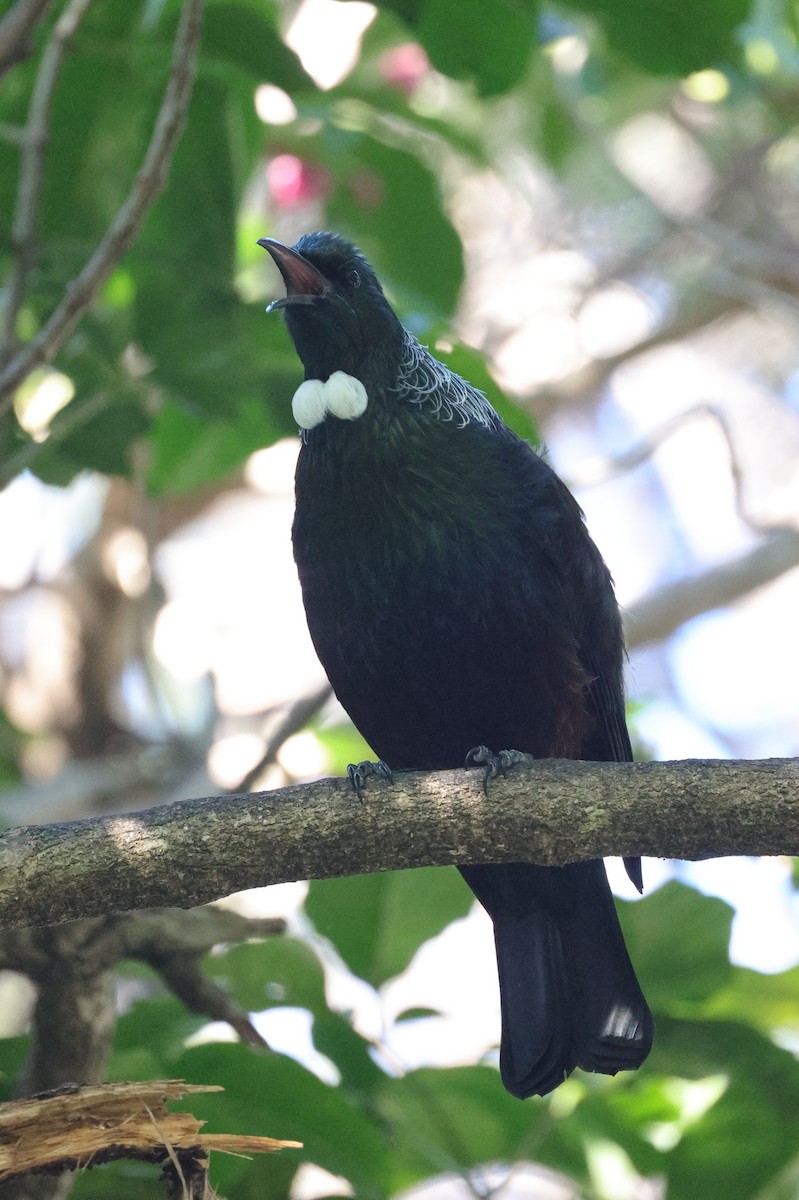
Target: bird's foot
pixel 358 773
pixel 494 763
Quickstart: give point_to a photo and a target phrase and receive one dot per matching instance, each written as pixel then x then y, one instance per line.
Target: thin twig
pixel 588 380
pixel 147 185
pixel 170 1149
pixel 665 609
pixel 31 174
pixel 597 471
pixel 602 470
pixel 750 291
pixel 295 719
pixel 749 254
pixel 16 31
pixel 183 975
pixel 727 291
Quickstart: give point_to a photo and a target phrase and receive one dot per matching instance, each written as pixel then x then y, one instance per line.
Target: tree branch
pixel 31 173
pixel 75 1012
pixel 16 31
pixel 292 721
pixel 666 608
pixel 550 812
pixel 125 225
pixel 585 382
pixel 593 472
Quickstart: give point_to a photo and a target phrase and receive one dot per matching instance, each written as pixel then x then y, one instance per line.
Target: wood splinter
pixel 76 1127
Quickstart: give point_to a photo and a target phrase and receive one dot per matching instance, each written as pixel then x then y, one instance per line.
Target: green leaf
pixel 190 451
pixel 158 1025
pixel 231 373
pixel 343 1045
pixel 678 940
pixel 456 1119
pixel 101 442
pixel 670 38
pixel 13 1055
pixel 103 110
pixel 122 1180
pixel 558 135
pixel 626 1111
pixel 416 1014
pixel 12 742
pixel 409 10
pixel 279 970
pixel 487 41
pixel 745 1139
pixel 343 746
pixel 211 351
pixel 378 922
pixel 403 230
pixel 243 36
pixel 190 229
pixel 273 1095
pixel 621 1112
pixel 768 1002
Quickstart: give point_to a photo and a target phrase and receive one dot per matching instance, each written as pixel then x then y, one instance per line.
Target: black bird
pixel 456 600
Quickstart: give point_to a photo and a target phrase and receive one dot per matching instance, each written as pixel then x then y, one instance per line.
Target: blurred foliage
pixel 177 356
pixel 382 944
pixel 177 368
pixel 715 1111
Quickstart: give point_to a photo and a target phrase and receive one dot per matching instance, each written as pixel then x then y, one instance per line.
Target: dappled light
pixel 132 838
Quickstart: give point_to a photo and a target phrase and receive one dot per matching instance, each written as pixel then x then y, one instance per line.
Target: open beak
pixel 304 284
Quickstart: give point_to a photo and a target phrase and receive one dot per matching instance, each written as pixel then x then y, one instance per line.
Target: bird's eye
pixel 354 278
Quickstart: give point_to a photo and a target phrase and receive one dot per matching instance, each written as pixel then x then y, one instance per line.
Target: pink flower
pixel 293 182
pixel 404 66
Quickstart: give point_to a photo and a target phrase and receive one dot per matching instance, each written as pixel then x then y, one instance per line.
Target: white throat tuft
pixel 341 395
pixel 308 405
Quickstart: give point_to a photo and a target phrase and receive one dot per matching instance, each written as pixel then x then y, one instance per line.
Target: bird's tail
pixel 569 995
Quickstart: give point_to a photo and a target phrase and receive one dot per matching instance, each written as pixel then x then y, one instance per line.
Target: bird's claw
pixel 494 763
pixel 358 773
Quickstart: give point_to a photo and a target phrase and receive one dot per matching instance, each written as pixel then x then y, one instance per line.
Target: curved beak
pixel 304 284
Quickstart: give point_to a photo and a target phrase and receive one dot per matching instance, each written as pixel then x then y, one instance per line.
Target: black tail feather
pixel 569 995
pixel 535 1055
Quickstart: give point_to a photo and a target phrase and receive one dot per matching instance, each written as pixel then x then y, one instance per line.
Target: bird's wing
pixel 587 600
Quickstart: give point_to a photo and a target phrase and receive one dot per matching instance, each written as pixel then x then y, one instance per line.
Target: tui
pixel 456 601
